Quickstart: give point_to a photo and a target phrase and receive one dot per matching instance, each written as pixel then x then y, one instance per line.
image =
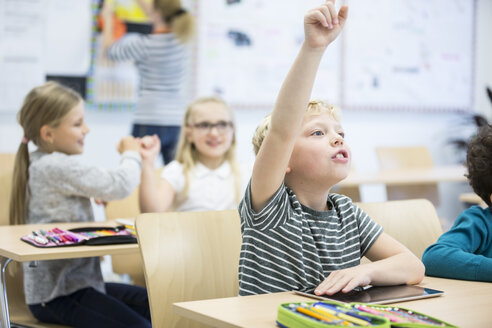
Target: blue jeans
pixel 168 134
pixel 122 306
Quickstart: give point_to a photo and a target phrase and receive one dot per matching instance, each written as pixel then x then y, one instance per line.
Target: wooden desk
pixel 405 177
pixel 12 248
pixel 465 304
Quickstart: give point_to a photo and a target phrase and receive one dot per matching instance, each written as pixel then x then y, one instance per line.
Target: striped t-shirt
pixel 160 60
pixel 288 246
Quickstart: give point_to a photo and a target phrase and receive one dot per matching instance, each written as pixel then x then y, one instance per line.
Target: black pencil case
pixel 81 236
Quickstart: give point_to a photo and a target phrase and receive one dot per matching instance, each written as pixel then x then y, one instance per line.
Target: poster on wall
pixel 403 54
pixel 245 49
pixel 392 54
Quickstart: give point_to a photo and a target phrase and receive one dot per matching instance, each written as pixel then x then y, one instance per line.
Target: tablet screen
pixel 381 294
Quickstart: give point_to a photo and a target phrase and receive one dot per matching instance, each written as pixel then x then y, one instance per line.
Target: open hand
pixel 323 24
pixel 344 280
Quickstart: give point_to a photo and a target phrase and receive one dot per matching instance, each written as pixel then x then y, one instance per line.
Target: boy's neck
pixel 314 198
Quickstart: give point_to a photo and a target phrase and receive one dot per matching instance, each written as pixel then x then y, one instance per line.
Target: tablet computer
pixel 379 294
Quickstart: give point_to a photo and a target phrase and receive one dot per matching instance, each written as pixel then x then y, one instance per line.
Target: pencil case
pixel 338 314
pixel 81 236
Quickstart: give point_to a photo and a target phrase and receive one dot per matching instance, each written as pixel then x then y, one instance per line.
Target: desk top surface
pixel 448 173
pixel 465 304
pixel 11 246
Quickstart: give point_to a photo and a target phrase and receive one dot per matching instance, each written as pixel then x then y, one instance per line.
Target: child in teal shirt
pixel 465 251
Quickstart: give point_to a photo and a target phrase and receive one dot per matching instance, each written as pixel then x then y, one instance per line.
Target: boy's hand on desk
pixel 128 143
pixel 323 24
pixel 344 280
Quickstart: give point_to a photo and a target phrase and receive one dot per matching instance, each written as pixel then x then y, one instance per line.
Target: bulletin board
pixel 392 54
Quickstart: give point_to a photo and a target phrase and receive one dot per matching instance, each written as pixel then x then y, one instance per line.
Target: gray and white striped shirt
pixel 160 60
pixel 288 246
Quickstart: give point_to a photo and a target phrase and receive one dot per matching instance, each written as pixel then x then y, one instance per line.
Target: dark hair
pixel 479 163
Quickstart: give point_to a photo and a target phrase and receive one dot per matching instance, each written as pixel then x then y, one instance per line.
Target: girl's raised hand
pixel 323 24
pixel 150 147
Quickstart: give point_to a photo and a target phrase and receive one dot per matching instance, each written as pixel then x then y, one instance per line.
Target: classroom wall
pixel 364 130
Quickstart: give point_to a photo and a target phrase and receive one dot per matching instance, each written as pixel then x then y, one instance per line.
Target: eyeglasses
pixel 206 127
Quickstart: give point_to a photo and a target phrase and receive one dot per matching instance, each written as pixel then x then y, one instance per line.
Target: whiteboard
pixel 392 54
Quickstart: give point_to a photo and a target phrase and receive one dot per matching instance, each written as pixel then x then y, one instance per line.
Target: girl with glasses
pixel 205 174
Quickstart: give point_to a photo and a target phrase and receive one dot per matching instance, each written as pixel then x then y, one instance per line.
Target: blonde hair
pixel 44 105
pixel 187 155
pixel 181 21
pixel 314 107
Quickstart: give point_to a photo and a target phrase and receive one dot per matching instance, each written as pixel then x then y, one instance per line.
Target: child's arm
pixel 321 26
pixel 393 264
pixel 107 12
pixel 154 196
pixel 461 252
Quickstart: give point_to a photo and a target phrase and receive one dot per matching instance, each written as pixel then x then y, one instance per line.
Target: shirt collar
pixel 222 171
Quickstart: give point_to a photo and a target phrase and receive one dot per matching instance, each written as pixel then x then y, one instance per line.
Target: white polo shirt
pixel 208 189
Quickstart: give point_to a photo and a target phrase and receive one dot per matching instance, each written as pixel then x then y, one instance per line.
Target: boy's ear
pixel 46 134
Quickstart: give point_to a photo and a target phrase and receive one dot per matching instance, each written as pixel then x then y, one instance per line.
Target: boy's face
pixel 320 153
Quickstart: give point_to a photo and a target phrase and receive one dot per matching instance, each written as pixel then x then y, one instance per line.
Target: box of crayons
pixel 337 314
pixel 81 236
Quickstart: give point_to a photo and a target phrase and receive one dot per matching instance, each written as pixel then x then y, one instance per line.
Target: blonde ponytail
pixel 19 197
pixel 181 22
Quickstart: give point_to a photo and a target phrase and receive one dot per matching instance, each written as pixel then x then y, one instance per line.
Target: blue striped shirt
pixel 288 246
pixel 160 60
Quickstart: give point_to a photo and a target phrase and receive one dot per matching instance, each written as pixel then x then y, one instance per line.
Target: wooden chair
pixel 128 264
pixel 6 170
pixel 188 256
pixel 470 199
pixel 392 158
pixel 18 310
pixel 414 223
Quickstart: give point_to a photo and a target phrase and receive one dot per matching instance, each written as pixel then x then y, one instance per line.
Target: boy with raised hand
pixel 296 235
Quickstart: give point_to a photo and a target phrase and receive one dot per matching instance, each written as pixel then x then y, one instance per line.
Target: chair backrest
pixel 414 223
pixel 188 256
pixel 391 158
pixel 6 171
pixel 128 208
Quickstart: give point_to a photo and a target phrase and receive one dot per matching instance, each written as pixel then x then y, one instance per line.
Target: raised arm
pixel 154 196
pixel 107 12
pixel 321 26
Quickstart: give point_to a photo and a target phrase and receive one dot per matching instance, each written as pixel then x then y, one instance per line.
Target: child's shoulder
pixel 475 216
pixel 54 159
pixel 340 201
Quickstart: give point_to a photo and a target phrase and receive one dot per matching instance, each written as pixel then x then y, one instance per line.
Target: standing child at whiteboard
pixel 160 59
pixel 296 235
pixel 51 185
pixel 205 175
